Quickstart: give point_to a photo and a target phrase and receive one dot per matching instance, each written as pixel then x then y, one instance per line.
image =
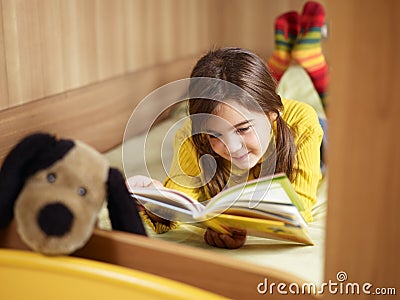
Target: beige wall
pixel 49 47
pixel 52 46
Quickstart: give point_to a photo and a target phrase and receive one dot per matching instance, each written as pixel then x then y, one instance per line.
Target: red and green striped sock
pixel 287 26
pixel 307 51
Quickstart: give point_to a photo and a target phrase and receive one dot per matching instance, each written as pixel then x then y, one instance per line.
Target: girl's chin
pixel 245 165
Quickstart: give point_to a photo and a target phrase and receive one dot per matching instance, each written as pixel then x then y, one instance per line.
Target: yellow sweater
pixel 302 118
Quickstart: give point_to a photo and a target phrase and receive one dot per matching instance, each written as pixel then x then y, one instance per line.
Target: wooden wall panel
pixel 153 29
pixel 167 15
pixel 52 46
pixel 110 38
pixel 139 19
pixel 363 227
pixel 190 27
pixel 207 24
pixel 249 24
pixel 96 114
pixel 3 69
pixel 167 30
pixel 79 43
pixel 181 29
pixel 135 34
pixel 24 62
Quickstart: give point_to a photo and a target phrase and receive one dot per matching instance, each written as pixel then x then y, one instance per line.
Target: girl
pixel 237 138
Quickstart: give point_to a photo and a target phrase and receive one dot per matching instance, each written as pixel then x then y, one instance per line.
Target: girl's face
pixel 239 135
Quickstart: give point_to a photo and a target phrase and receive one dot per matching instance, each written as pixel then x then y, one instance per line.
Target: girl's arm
pixel 303 119
pixel 308 170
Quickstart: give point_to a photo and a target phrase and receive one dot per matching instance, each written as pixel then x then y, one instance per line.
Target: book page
pixel 255 191
pixel 166 211
pixel 167 196
pixel 168 204
pixel 272 196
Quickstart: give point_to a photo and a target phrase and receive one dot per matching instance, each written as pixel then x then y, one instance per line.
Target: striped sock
pixel 287 26
pixel 307 51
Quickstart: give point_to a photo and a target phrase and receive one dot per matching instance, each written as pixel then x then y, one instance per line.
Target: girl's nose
pixel 234 143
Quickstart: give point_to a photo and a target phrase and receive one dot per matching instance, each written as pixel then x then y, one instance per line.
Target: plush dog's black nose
pixel 55 219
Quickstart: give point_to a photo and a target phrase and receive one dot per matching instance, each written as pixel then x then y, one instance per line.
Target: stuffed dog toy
pixel 55 190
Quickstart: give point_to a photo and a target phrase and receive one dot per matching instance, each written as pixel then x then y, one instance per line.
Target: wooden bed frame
pixel 213 272
pixel 362 227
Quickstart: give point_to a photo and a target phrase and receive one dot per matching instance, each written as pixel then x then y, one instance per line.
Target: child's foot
pixel 307 51
pixel 287 26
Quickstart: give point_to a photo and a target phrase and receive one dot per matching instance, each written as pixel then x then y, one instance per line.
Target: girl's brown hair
pixel 246 70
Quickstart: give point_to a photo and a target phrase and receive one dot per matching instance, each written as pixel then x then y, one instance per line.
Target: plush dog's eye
pixel 51 177
pixel 82 191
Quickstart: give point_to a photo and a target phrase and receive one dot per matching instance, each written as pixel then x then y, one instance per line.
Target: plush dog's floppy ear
pixel 26 158
pixel 121 206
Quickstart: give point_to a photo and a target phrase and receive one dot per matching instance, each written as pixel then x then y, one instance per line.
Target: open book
pixel 266 207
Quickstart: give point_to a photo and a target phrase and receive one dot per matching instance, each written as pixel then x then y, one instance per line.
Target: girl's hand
pixel 142 181
pixel 220 240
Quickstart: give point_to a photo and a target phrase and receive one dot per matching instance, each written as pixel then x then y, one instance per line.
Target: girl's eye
pixel 82 191
pixel 243 129
pixel 51 177
pixel 214 136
